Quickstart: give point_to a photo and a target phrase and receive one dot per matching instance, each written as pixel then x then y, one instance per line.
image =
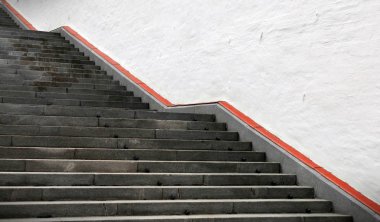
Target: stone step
pixel 25 72
pixel 18 36
pixel 106 112
pixel 43 55
pixel 43 84
pixel 6 87
pixel 52 77
pixel 47 77
pixel 62 193
pixel 53 95
pixel 133 166
pixel 52 69
pixel 160 207
pixel 5 17
pixel 39 46
pixel 111 132
pixel 34 42
pixel 314 217
pixel 18 31
pixel 47 83
pixel 7 23
pixel 125 143
pixel 7 36
pixel 109 123
pixel 2 24
pixel 75 102
pixel 45 59
pixel 52 64
pixel 144 179
pixel 36 50
pixel 31 75
pixel 129 154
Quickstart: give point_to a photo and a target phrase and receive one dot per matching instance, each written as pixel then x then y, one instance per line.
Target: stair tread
pixel 182 218
pixel 159 201
pixel 155 187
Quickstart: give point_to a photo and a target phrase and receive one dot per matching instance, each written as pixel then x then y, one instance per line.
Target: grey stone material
pixel 75 145
pixel 129 154
pixel 126 143
pixel 127 122
pixel 63 95
pixel 106 112
pixel 143 179
pixel 37 55
pixel 115 166
pixel 317 217
pixel 159 207
pixel 11 40
pixel 54 193
pixel 106 132
pixel 74 102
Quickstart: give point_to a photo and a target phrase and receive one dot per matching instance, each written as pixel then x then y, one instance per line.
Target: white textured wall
pixel 309 71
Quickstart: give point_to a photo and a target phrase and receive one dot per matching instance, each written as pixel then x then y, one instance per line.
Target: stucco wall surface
pixel 309 71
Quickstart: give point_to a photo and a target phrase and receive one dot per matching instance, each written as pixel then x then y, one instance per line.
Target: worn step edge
pixel 326 217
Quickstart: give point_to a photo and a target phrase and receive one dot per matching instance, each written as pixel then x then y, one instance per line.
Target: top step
pixel 21 31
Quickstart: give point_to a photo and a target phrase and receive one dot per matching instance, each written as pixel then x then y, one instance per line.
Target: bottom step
pixel 205 218
pixel 51 209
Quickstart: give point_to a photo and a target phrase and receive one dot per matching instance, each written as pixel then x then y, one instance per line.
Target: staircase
pixel 75 145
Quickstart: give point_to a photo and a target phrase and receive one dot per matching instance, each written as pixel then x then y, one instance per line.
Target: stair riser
pixel 37 50
pixel 42 84
pixel 51 69
pixel 73 102
pixel 7 23
pixel 101 132
pixel 49 95
pixel 32 38
pixel 78 179
pixel 62 83
pixel 11 40
pixel 204 218
pixel 24 72
pixel 31 48
pixel 50 64
pixel 45 59
pixel 64 90
pixel 41 46
pixel 19 109
pixel 41 34
pixel 121 154
pixel 109 123
pixel 43 55
pixel 18 31
pixel 156 193
pixel 13 78
pixel 14 165
pixel 73 77
pixel 174 208
pixel 88 142
pixel 56 77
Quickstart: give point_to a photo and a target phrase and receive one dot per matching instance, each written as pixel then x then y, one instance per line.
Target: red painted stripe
pixel 18 15
pixel 250 122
